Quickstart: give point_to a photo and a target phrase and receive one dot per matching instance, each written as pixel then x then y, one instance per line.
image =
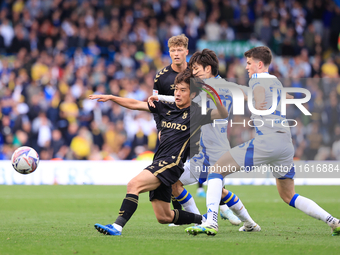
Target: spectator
pixel 55 53
pixel 212 28
pixel 7 32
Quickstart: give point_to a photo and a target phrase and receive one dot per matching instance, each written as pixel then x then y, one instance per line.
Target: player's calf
pixel 164 219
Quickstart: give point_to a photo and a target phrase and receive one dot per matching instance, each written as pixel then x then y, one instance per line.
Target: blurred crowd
pixel 54 53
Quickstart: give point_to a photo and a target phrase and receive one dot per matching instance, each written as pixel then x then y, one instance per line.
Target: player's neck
pixel 179 68
pixel 263 71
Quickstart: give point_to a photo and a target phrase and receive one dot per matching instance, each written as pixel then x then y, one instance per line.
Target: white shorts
pixel 196 170
pixel 187 177
pixel 275 150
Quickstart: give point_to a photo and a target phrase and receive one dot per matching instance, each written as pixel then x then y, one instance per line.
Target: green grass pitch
pixel 60 219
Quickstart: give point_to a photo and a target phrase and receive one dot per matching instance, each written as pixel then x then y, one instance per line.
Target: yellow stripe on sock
pixel 179 200
pixel 232 194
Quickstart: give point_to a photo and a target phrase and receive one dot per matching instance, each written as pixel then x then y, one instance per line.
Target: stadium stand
pixel 54 53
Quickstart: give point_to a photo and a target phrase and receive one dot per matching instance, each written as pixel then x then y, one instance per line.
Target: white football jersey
pixel 267 124
pixel 214 139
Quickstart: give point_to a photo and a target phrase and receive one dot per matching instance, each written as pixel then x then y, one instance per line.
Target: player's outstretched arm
pixel 129 103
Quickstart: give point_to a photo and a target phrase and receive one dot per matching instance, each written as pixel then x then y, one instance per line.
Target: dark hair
pixel 262 53
pixel 187 77
pixel 205 58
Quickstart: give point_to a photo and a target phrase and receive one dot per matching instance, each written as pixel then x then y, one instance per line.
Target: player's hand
pixel 101 98
pixel 288 96
pixel 151 99
pixel 262 106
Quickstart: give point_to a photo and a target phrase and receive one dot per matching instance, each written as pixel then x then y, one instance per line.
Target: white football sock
pixel 116 226
pixel 241 212
pixel 200 190
pixel 188 202
pixel 223 208
pixel 214 194
pixel 310 208
pixel 190 206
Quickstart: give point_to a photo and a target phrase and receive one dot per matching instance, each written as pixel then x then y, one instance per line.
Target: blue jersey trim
pixel 290 174
pixel 249 158
pixel 206 163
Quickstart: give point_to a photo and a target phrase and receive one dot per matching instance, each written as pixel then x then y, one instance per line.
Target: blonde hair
pixel 178 41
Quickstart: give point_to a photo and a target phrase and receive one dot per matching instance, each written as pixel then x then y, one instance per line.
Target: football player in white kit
pixel 272 146
pixel 213 141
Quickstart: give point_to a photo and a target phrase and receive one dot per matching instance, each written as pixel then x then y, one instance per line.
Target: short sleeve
pixel 206 118
pixel 253 83
pixel 156 86
pixel 156 108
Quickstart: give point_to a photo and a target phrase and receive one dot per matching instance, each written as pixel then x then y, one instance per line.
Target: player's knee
pixel 177 189
pixel 132 186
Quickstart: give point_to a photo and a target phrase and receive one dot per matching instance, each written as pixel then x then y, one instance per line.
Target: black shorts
pixel 168 172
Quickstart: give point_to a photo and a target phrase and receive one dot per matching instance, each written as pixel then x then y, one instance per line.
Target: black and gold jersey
pixel 176 125
pixel 164 85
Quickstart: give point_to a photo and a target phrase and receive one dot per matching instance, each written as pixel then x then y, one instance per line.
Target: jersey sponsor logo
pixel 185 115
pixel 172 86
pixel 173 125
pixel 168 113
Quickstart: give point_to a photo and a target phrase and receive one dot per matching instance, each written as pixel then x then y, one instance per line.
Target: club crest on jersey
pixel 185 115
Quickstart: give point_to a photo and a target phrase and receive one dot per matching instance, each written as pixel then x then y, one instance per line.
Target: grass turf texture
pixel 60 219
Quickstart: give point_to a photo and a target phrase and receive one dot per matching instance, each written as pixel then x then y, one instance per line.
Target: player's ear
pixel 192 95
pixel 208 69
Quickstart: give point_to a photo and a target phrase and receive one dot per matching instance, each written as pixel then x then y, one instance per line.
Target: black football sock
pixel 175 203
pixel 128 208
pixel 182 217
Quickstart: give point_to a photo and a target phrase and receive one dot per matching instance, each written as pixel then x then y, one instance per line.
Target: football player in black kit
pixel 165 79
pixel 176 120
